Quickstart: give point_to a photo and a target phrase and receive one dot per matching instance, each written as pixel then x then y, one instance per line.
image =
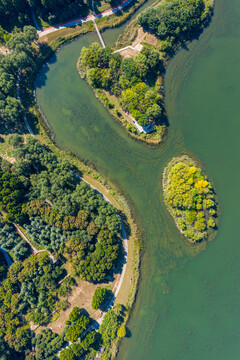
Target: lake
pixel 188 304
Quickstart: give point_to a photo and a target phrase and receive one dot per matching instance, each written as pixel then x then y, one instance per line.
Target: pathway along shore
pixel 98 322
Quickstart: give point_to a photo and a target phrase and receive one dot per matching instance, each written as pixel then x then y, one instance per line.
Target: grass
pixel 69 33
pixel 42 23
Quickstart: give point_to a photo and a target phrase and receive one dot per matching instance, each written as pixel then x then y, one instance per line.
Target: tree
pixel 78 327
pixel 211 222
pixel 74 315
pixel 88 340
pixel 23 339
pixel 10 109
pixel 121 331
pixel 15 140
pixel 67 354
pixel 30 33
pixel 154 111
pixel 109 327
pixel 98 297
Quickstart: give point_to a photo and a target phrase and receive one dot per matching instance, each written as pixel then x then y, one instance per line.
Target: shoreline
pixel 96 181
pixel 136 243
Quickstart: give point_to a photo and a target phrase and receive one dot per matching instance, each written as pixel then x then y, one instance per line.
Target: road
pixel 73 23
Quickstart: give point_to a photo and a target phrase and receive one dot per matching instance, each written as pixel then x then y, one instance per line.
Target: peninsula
pixel 129 80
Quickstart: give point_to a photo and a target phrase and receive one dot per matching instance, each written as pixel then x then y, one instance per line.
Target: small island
pixel 190 198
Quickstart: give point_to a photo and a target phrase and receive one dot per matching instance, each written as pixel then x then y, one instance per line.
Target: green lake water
pixel 188 305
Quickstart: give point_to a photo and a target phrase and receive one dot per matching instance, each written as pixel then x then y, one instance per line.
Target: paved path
pixel 8 260
pixel 84 19
pixel 23 236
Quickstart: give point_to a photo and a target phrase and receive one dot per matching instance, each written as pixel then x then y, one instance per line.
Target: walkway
pixel 99 34
pixel 35 251
pixel 85 19
pixel 7 258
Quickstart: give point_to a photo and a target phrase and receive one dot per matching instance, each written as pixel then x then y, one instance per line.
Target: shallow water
pixel 187 306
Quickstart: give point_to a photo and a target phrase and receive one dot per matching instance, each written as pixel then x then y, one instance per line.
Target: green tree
pixel 67 354
pixel 109 327
pixel 121 331
pixel 98 297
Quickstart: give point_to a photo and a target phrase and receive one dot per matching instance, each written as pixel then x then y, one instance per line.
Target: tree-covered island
pixel 129 80
pixel 190 198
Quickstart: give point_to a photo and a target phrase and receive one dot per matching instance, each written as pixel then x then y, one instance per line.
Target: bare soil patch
pixel 129 53
pixel 144 37
pixel 81 296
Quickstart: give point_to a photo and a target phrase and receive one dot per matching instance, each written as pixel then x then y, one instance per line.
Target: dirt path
pixel 35 251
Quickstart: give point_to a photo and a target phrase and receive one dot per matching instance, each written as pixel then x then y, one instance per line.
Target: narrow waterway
pixel 188 305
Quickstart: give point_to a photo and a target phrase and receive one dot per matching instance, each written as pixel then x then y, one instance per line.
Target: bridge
pixel 99 34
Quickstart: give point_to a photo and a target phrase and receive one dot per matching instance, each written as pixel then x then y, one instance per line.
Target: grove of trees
pixel 11 241
pixel 29 292
pixel 3 266
pixel 174 21
pixel 20 57
pixel 67 218
pixel 77 323
pixel 128 79
pixel 47 344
